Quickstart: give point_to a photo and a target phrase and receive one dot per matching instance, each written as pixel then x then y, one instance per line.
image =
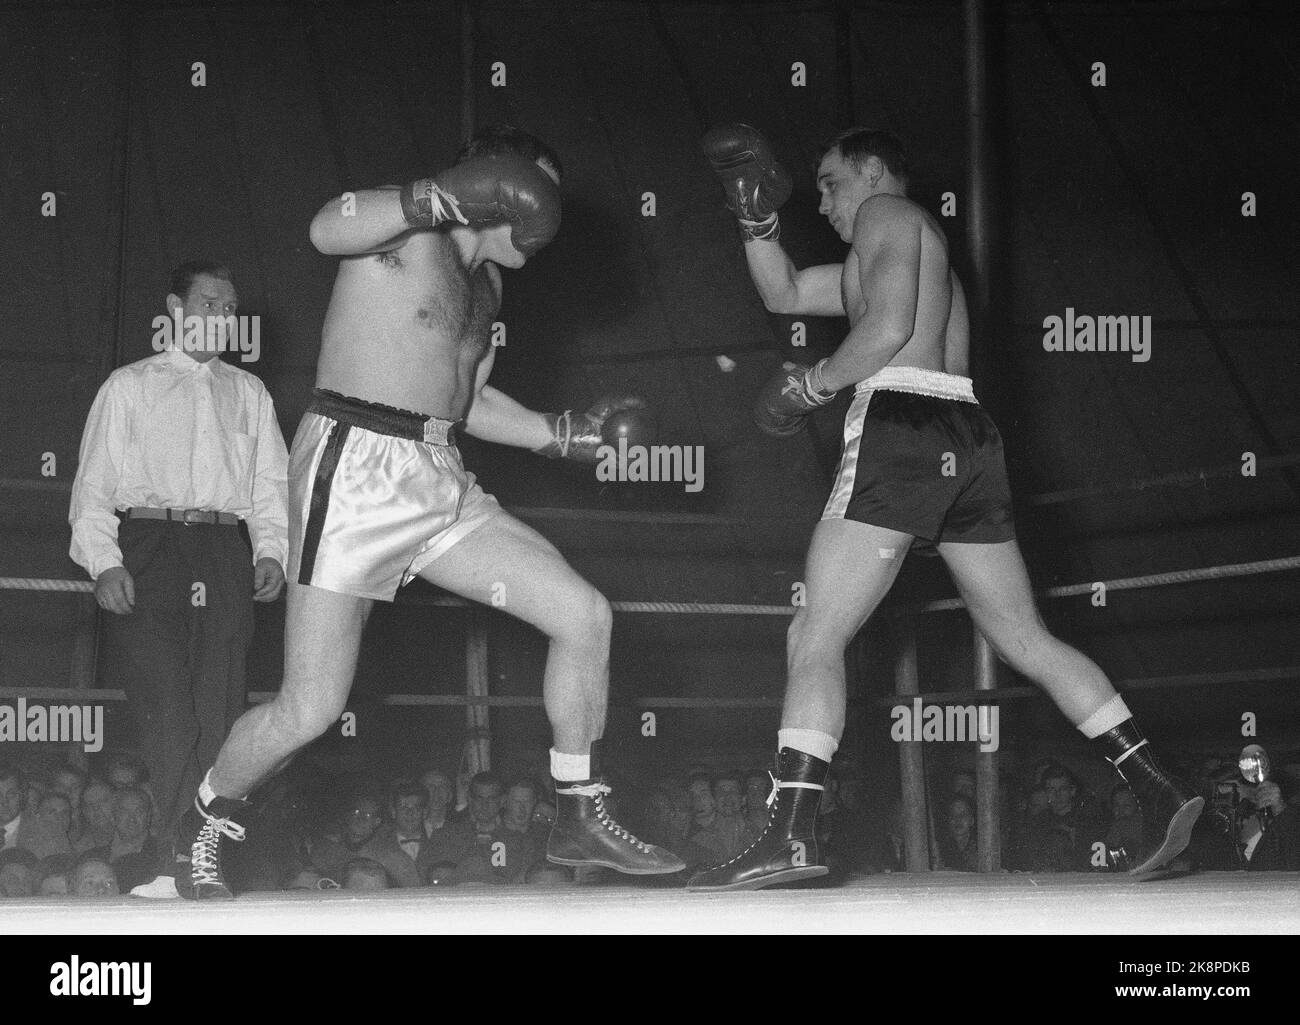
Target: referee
pixel 179 514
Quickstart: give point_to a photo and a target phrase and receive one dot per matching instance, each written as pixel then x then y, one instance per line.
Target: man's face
pixel 438 787
pixel 726 792
pixel 363 819
pixel 843 189
pixel 964 783
pixel 1060 795
pixel 1123 804
pixel 485 803
pixel 69 785
pixel 518 809
pixel 211 299
pixel 95 879
pixel 97 808
pixel 408 814
pixel 702 803
pixel 756 791
pixel 960 820
pixel 54 886
pixel 11 800
pixel 123 776
pixel 17 881
pixel 131 816
pixel 55 814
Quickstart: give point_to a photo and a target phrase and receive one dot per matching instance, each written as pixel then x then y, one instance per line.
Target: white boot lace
pixel 205 861
pixel 597 792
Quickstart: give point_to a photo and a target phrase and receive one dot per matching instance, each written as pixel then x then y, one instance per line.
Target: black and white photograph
pixel 565 468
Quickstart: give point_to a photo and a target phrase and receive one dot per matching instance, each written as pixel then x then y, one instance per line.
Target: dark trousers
pixel 180 655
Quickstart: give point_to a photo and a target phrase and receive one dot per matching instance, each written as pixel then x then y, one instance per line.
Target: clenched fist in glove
pixel 579 436
pixel 789 396
pixel 755 182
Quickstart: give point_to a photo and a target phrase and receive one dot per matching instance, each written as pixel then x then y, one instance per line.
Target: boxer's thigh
pixel 506 564
pixel 322 638
pixel 850 568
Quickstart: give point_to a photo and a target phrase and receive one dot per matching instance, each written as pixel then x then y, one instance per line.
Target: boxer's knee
pixel 588 620
pixel 297 720
pixel 810 640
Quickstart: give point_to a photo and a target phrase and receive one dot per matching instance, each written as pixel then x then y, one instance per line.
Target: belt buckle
pixel 189 516
pixel 436 432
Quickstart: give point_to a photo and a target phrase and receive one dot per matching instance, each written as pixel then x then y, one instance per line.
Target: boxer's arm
pixel 887 241
pixel 355 223
pixel 495 416
pixel 814 291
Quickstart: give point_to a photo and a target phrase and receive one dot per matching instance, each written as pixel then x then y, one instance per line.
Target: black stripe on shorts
pixel 320 499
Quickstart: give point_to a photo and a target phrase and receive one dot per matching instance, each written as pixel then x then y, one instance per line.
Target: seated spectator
pixel 963 782
pixel 70 782
pixel 97 823
pixel 957 846
pixel 94 877
pixel 723 835
pixel 20 873
pixel 1272 845
pixel 361 835
pixel 667 821
pixel 126 771
pixel 524 840
pixel 13 792
pixel 133 854
pixel 1061 838
pixel 1125 829
pixel 365 874
pixel 439 795
pixel 50 826
pixel 56 884
pixel 469 838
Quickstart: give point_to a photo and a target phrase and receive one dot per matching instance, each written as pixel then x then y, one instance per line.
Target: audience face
pixel 131 816
pixel 964 783
pixel 55 885
pixel 756 791
pixel 12 793
pixel 440 791
pixel 728 796
pixel 18 880
pixel 961 821
pixel 362 821
pixel 1123 804
pixel 545 812
pixel 850 792
pixel 124 774
pixel 97 808
pixel 95 879
pixel 517 812
pixel 69 783
pixel 703 806
pixel 55 814
pixel 485 803
pixel 1060 794
pixel 408 814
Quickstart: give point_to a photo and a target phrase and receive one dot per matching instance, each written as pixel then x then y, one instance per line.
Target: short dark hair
pixel 525 781
pixel 857 144
pixel 481 779
pixel 735 777
pixel 368 867
pixel 501 139
pixel 1058 771
pixel 407 788
pixel 182 277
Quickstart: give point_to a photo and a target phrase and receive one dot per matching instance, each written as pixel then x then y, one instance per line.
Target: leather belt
pixel 189 517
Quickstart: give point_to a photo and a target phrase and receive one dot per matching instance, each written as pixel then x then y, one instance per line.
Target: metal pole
pixel 911 761
pixel 477 727
pixel 979 153
pixel 988 835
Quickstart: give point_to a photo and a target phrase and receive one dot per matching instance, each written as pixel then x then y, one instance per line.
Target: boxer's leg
pixel 851 566
pixel 995 586
pixel 508 565
pixel 322 639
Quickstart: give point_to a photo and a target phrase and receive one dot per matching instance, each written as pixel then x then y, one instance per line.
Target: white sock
pixel 810 742
pixel 570 768
pixel 1107 717
pixel 206 794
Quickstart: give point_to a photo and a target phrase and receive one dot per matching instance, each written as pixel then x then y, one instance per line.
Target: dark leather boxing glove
pixel 756 184
pixel 789 396
pixel 487 190
pixel 579 436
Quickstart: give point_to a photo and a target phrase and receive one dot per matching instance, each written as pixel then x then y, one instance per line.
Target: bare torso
pixel 408 328
pixel 941 336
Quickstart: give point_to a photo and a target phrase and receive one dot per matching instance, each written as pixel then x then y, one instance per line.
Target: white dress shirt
pixel 170 432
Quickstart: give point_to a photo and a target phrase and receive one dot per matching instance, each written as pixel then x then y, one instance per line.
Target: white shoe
pixel 162 888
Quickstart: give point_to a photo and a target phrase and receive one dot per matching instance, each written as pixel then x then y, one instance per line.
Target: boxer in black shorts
pixel 921 460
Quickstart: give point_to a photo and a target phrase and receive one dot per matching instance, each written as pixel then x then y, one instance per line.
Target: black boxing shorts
pixel 922 456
